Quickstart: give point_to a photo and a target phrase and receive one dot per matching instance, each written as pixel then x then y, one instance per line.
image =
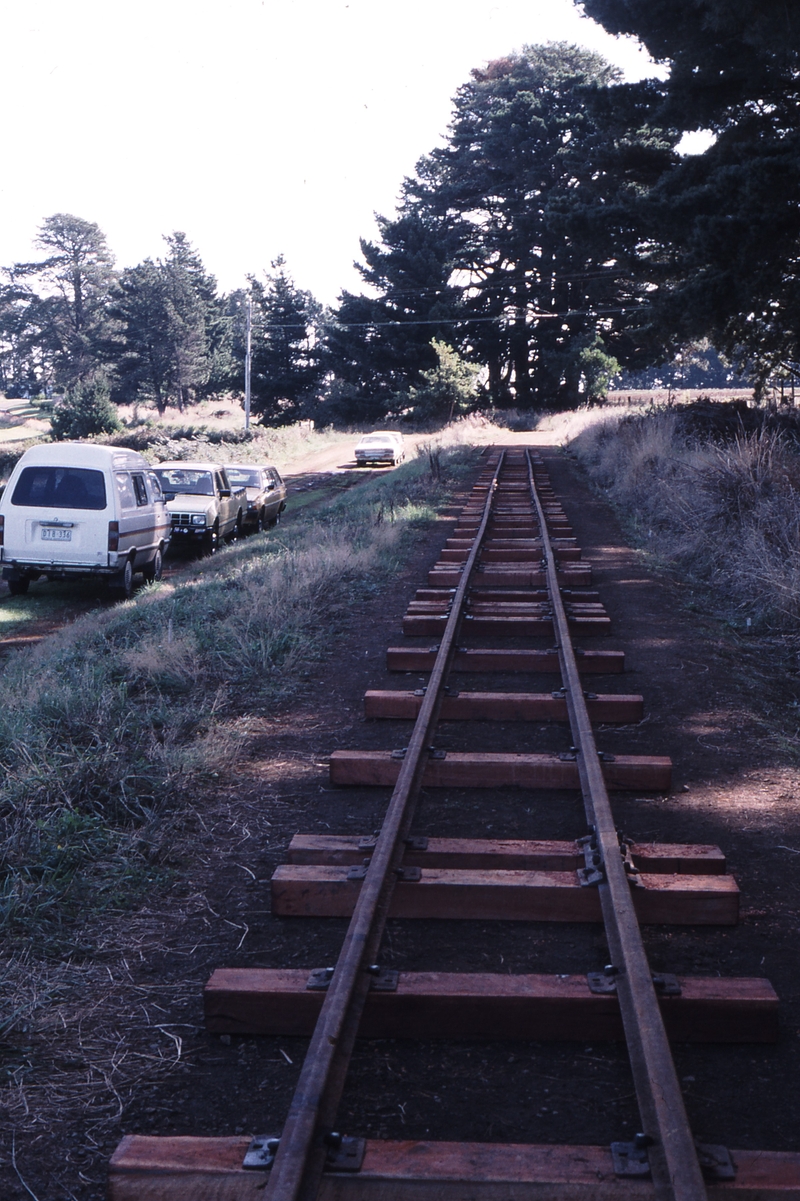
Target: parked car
pixel 381 446
pixel 72 509
pixel 203 507
pixel 266 492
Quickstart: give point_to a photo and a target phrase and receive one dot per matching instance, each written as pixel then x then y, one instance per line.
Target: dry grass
pixel 93 1022
pixel 107 727
pixel 675 396
pixel 727 513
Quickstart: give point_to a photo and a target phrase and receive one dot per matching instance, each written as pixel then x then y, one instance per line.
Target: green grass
pixel 110 728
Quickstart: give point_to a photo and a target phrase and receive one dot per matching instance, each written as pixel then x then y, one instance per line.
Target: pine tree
pixel 85 409
pixel 723 227
pixel 514 242
pixel 63 298
pixel 173 330
pixel 142 356
pixel 379 347
pixel 448 390
pixel 286 367
pixel 537 157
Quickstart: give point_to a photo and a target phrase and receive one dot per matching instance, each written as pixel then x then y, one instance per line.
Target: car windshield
pixel 241 477
pixel 175 480
pixel 60 488
pixel 377 440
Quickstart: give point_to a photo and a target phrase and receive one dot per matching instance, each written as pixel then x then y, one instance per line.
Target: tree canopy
pixel 722 229
pixel 54 312
pixel 555 236
pixel 378 346
pixel 173 336
pixel 286 365
pixel 510 241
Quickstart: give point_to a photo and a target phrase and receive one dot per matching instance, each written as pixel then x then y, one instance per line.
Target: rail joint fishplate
pixel 593 871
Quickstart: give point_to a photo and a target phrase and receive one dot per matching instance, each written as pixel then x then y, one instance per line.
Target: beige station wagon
pixel 266 492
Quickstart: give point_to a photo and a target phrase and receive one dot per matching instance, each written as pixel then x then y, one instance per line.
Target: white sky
pixel 258 127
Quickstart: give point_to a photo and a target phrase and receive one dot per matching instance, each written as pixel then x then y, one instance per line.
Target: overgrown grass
pixel 282 445
pixel 724 510
pixel 109 727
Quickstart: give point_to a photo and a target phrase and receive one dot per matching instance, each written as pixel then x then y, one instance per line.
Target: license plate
pixel 56 535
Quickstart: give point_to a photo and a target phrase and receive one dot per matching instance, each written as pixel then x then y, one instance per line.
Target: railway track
pixel 510 572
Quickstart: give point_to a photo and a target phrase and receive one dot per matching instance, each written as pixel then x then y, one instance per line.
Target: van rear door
pixel 58 515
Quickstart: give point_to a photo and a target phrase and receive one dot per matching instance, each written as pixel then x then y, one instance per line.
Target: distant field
pixel 20 420
pixel 662 396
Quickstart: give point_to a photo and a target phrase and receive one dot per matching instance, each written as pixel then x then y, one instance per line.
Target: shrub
pixel 86 409
pixel 449 390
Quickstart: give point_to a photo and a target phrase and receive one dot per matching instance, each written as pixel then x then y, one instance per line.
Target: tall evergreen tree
pixel 286 367
pixel 174 333
pixel 723 228
pixel 142 357
pixel 513 242
pixel 201 327
pixel 379 346
pixel 537 156
pixel 187 295
pixel 27 348
pixel 66 295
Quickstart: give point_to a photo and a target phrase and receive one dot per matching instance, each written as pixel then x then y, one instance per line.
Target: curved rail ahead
pixel 671 1150
pixel 302 1149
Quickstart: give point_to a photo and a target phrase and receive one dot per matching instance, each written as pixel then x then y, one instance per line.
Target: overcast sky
pixel 258 127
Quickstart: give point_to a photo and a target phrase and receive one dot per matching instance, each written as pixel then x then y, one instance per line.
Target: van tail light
pixel 2 529
pixel 113 535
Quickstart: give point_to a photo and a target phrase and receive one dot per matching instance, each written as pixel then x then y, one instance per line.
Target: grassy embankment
pixel 717 509
pixel 108 729
pixel 723 506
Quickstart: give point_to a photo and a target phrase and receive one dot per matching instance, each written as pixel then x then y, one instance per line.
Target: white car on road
pixel 381 446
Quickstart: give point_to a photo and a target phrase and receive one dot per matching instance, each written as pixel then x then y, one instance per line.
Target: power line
pixel 500 319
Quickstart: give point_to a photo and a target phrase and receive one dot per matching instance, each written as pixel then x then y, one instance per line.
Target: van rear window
pixel 60 488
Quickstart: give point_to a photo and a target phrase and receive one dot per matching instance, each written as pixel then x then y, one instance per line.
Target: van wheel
pixel 18 587
pixel 262 520
pixel 122 586
pixel 153 571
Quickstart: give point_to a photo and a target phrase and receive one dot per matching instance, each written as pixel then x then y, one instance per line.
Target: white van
pixel 73 509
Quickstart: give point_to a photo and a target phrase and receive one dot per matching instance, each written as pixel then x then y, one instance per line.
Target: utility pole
pixel 247 360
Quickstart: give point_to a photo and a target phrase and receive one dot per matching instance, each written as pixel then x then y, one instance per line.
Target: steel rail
pixel 672 1153
pixel 300 1160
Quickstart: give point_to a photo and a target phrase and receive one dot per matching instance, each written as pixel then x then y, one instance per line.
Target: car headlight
pixel 198 519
